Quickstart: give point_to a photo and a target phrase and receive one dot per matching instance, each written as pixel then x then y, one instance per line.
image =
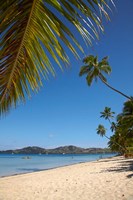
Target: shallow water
pixel 17 164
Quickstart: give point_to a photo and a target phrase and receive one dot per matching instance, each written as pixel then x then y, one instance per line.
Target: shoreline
pixel 45 169
pixel 108 178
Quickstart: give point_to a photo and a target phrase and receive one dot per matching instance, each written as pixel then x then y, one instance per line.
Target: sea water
pixel 17 164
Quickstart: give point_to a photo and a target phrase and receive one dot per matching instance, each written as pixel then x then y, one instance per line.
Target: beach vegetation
pixel 123 133
pixel 122 138
pixel 101 130
pixel 107 114
pixel 94 70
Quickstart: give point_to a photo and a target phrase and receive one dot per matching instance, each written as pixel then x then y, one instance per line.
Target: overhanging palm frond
pixel 34 29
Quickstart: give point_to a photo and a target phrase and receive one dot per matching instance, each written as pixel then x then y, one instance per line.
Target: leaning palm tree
pixel 128 109
pixel 117 144
pixel 125 119
pixel 36 32
pixel 101 131
pixel 94 70
pixel 107 114
pixel 125 125
pixel 113 126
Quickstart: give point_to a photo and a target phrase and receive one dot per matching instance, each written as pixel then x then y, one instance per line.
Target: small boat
pixel 26 157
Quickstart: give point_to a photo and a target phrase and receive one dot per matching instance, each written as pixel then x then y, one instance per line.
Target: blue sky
pixel 66 111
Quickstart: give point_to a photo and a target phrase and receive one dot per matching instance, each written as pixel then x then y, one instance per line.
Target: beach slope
pixel 105 179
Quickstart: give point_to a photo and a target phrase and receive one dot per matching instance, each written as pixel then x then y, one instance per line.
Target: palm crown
pixel 107 113
pixel 94 70
pixel 101 130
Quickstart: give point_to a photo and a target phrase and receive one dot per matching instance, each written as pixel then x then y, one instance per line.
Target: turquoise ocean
pixel 18 164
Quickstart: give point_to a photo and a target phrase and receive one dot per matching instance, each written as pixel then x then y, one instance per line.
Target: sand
pixel 106 179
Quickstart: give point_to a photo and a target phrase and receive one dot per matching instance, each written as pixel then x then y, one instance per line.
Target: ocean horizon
pixel 12 164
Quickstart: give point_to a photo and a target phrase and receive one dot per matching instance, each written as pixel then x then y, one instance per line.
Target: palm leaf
pixel 85 70
pixel 89 78
pixel 35 31
pixel 106 68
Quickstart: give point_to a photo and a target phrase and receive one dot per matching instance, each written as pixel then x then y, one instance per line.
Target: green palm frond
pixel 84 70
pixel 89 78
pixel 106 69
pixel 101 130
pixel 107 113
pixel 89 59
pixel 33 32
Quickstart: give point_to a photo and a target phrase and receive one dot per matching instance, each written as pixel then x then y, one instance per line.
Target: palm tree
pixel 113 126
pixel 123 135
pixel 101 131
pixel 125 119
pixel 117 144
pixel 35 31
pixel 107 114
pixel 94 70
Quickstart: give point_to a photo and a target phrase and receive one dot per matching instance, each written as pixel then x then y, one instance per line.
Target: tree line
pixel 122 128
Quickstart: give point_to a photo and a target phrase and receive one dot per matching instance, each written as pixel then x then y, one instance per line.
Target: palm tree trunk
pixel 111 124
pixel 124 149
pixel 115 89
pixel 107 137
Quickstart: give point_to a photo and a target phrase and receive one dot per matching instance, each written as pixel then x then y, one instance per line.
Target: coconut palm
pixel 101 131
pixel 35 31
pixel 119 141
pixel 112 143
pixel 113 126
pixel 117 144
pixel 125 119
pixel 94 70
pixel 107 114
pixel 123 135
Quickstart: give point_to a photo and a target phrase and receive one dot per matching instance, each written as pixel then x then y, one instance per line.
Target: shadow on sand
pixel 124 165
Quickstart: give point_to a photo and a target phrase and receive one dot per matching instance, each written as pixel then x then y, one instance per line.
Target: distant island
pixel 59 150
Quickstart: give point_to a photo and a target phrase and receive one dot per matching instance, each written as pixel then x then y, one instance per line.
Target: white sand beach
pixel 106 179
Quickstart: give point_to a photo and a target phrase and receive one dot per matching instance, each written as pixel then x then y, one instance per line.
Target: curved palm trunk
pixel 115 89
pixel 107 137
pixel 111 124
pixel 109 120
pixel 124 149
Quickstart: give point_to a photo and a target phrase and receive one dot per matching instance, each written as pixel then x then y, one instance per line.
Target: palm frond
pixel 35 31
pixel 89 59
pixel 89 78
pixel 85 70
pixel 106 68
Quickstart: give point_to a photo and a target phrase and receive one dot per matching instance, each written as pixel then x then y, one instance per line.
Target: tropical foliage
pixel 94 70
pixel 36 32
pixel 122 139
pixel 124 128
pixel 107 114
pixel 101 130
